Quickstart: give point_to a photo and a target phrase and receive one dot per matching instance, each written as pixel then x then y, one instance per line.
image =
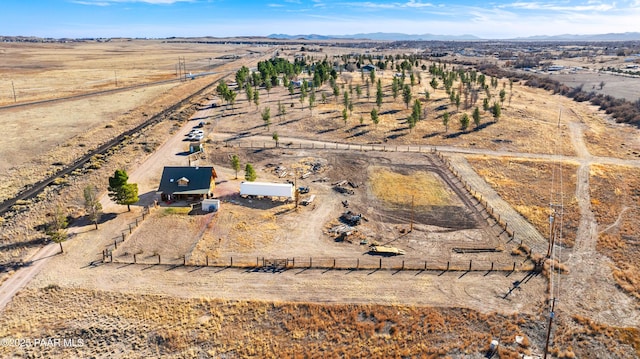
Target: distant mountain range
pixel 627 36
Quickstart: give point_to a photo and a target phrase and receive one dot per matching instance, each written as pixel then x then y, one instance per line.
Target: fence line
pixel 328 146
pixel 126 233
pixel 478 197
pixel 322 263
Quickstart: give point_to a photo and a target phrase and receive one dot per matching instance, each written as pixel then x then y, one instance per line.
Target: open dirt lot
pixel 597 306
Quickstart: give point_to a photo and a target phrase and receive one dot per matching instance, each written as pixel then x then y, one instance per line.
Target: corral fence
pixel 445 163
pixel 126 233
pixel 366 263
pixel 510 233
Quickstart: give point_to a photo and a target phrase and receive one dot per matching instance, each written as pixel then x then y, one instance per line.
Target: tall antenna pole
pixel 551 315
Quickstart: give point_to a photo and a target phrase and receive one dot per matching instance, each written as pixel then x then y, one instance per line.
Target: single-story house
pixel 187 183
pixel 368 68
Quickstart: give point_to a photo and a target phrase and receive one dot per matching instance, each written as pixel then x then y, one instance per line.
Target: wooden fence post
pixel 115 243
pixel 470 265
pixel 207 260
pixel 447 265
pixel 231 262
pixel 123 236
pixel 184 259
pixel 357 263
pixel 136 222
pixel 491 267
pixel 380 266
pixel 402 264
pixel 134 258
pixel 334 262
pixel 130 228
pixel 425 265
pixel 293 262
pixel 310 262
pixel 159 258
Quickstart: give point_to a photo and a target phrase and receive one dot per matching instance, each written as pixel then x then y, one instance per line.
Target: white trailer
pixel 266 189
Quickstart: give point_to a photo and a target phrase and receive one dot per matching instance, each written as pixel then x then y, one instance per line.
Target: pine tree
pixel 250 173
pixel 235 164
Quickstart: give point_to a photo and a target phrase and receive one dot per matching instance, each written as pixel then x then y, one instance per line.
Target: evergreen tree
pixel 445 121
pixel 476 117
pixel 250 173
pixel 379 94
pixel 406 95
pixel 266 117
pixel 120 191
pixel 434 83
pixel 496 111
pixel 374 116
pixel 464 121
pixel 235 164
pixel 256 98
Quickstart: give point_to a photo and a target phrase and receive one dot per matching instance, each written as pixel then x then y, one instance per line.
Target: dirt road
pixel 25 274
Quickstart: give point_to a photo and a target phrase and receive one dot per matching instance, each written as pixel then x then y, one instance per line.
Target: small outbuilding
pixel 187 183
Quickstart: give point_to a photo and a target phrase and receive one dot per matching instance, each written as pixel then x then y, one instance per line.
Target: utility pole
pixel 412 214
pixel 551 315
pixel 559 116
pixel 555 223
pixel 14 92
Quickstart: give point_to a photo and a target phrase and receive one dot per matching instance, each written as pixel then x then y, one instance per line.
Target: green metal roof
pixel 199 180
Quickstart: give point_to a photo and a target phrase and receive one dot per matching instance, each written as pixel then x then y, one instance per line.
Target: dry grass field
pixel 616 204
pixel 159 315
pixel 142 326
pixel 531 186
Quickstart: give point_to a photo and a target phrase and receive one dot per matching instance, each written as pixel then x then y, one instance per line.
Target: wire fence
pixel 368 263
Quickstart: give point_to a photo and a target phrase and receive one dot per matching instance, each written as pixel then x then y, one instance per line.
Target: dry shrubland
pixel 615 199
pixel 526 185
pixel 159 326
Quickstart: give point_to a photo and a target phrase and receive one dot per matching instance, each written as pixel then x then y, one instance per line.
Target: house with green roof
pixel 187 183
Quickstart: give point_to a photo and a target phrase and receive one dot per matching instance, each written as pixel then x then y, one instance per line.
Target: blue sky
pixel 163 18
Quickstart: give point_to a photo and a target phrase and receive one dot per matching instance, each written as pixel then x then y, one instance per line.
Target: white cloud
pixel 414 4
pixel 590 6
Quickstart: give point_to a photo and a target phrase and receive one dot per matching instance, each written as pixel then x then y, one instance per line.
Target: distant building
pixel 368 68
pixel 187 183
